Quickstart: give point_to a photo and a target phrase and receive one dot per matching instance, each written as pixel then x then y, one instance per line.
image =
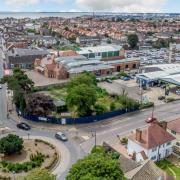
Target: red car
pixel 150 120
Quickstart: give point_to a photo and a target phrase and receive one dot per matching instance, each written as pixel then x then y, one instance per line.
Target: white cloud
pixel 54 1
pixel 122 5
pixel 21 2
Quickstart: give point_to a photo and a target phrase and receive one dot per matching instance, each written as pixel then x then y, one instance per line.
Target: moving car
pixel 150 120
pixel 23 126
pixel 61 136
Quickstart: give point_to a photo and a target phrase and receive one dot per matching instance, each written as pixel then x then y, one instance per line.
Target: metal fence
pixel 80 120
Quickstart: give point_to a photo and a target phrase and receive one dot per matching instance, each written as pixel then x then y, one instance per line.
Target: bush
pixel 4 177
pixel 100 109
pixel 11 144
pixel 170 99
pixel 112 106
pixel 124 140
pixel 98 150
pixel 36 161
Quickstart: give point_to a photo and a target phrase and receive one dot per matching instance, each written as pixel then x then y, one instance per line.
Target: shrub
pixel 124 140
pixel 100 109
pixel 98 150
pixel 11 144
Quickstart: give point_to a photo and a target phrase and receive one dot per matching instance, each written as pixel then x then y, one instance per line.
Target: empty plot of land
pixel 118 86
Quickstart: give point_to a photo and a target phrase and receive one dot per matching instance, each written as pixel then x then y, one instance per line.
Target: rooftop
pixel 152 137
pixel 174 125
pixel 97 49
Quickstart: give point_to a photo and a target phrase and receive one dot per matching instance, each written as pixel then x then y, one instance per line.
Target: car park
pixel 23 126
pixel 61 136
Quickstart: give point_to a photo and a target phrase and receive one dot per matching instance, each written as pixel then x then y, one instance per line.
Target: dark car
pixel 61 136
pixel 161 98
pixel 150 120
pixel 23 126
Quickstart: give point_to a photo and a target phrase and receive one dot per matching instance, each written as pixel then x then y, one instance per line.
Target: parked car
pixel 150 120
pixel 23 126
pixel 0 86
pixel 161 98
pixel 61 136
pixel 126 78
pixel 109 80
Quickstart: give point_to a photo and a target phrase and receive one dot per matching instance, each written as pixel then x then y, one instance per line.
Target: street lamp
pixel 95 140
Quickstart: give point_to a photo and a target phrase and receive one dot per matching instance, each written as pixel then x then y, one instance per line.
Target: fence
pixel 81 120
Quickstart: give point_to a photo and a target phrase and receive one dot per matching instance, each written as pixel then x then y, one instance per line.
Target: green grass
pixel 57 92
pixel 169 168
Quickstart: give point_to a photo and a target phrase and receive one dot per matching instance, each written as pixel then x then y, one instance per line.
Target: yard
pixel 169 168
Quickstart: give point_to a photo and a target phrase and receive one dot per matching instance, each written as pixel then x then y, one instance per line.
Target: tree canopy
pixel 133 40
pixel 39 174
pixel 20 84
pixel 96 166
pixel 82 94
pixel 11 144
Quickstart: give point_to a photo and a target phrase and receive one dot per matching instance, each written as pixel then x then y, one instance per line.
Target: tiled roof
pixel 174 125
pixel 67 53
pixel 146 171
pixel 152 137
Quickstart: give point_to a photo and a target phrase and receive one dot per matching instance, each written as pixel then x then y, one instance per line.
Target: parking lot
pixel 117 86
pixel 133 90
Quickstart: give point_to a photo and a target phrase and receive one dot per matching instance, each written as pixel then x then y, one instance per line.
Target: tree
pixel 11 144
pixel 39 174
pixel 21 85
pixel 82 93
pixel 133 40
pixel 96 166
pixel 83 97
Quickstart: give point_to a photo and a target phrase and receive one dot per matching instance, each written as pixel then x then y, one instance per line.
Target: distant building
pixel 154 143
pixel 88 40
pixel 23 58
pixel 101 52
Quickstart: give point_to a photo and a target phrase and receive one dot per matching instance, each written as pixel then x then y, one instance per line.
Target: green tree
pixel 81 93
pixel 83 97
pixel 11 144
pixel 21 85
pixel 133 40
pixel 96 166
pixel 39 174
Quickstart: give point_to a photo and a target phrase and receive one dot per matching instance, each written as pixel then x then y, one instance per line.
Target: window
pixel 173 132
pixel 154 149
pixel 127 66
pixel 169 143
pixel 134 66
pixel 153 157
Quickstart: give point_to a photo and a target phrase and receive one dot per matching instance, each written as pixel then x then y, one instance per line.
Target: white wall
pixel 163 150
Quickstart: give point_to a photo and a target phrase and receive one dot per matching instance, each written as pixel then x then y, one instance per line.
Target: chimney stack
pixel 138 135
pixel 163 124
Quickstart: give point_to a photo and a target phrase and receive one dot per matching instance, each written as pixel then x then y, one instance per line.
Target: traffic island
pixel 35 153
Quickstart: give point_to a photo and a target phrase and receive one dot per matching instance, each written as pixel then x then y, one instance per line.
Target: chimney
pixel 163 124
pixel 138 135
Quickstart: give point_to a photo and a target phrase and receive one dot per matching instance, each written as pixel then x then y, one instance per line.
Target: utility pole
pixel 95 140
pixel 141 92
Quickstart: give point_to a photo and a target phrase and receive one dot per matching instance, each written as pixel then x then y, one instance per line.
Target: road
pixel 106 130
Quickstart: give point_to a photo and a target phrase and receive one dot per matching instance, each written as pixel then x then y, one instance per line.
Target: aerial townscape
pixel 89 93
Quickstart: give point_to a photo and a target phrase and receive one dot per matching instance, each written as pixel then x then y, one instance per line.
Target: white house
pixel 153 142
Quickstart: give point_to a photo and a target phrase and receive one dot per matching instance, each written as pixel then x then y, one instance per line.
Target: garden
pixel 170 168
pixel 20 156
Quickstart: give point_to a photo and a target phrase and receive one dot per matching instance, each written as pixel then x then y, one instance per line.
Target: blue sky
pixel 91 5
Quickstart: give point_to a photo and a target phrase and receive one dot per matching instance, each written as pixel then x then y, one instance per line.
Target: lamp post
pixel 95 140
